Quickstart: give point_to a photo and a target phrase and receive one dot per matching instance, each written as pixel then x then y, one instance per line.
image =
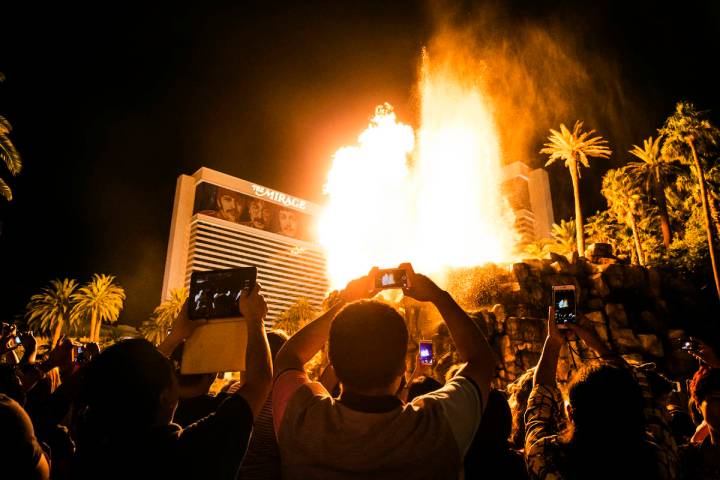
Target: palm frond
pixel 5 191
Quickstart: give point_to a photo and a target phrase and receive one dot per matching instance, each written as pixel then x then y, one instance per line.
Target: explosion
pixel 435 202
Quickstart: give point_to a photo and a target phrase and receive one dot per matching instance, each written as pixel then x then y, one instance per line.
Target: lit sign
pixel 278 197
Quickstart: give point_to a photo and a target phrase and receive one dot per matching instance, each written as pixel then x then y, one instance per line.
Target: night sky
pixel 110 103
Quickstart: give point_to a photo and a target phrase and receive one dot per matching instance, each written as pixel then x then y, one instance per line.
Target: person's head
pixel 705 392
pixel 276 339
pixel 228 204
pixel 288 220
pixel 260 214
pixel 519 391
pixel 422 385
pixel 368 342
pixel 605 400
pixel 130 385
pixel 20 453
pixel 192 385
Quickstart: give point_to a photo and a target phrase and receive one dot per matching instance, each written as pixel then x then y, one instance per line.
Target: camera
pixel 563 299
pixel 391 278
pixel 215 293
pixel 426 352
pixel 17 340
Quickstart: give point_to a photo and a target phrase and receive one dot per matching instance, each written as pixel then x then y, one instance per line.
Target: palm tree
pixel 50 311
pixel 155 329
pixel 8 154
pixel 295 317
pixel 654 171
pixel 99 300
pixel 687 131
pixel 538 248
pixel 575 147
pixel 564 237
pixel 625 203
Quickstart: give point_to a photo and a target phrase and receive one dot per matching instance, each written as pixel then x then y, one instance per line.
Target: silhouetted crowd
pixel 127 412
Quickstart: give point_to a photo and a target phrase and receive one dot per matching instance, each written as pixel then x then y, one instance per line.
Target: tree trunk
pixel 98 324
pixel 56 333
pixel 579 233
pixel 662 209
pixel 706 214
pixel 93 321
pixel 636 237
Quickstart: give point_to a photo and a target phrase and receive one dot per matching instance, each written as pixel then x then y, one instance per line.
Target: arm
pixel 547 366
pixel 181 329
pixel 593 342
pixel 258 363
pixel 30 345
pixel 470 343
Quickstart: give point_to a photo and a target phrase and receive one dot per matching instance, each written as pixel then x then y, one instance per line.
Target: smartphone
pixel 17 340
pixel 563 298
pixel 79 354
pixel 689 345
pixel 391 278
pixel 426 352
pixel 215 293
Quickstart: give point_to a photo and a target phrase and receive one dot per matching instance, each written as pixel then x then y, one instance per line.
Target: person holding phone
pixel 617 429
pixel 368 432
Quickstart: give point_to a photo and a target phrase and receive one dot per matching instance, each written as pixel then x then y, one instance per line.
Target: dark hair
pixel 705 381
pixel 368 343
pixel 519 391
pixel 421 386
pixel 608 426
pixel 123 384
pixel 276 339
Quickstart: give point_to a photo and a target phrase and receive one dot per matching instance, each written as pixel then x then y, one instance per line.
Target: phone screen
pixel 215 294
pixel 426 354
pixel 564 303
pixel 391 278
pixel 18 341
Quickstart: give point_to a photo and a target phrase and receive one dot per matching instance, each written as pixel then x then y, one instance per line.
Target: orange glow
pixel 447 211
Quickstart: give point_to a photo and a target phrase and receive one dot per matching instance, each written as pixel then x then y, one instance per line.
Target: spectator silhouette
pixel 701 460
pixel 368 432
pixel 130 396
pixel 491 455
pixel 617 431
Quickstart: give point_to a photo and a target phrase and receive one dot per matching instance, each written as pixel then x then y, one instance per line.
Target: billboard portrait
pixel 225 204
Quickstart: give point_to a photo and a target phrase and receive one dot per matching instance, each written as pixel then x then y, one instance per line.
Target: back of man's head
pixel 124 384
pixel 607 400
pixel 368 343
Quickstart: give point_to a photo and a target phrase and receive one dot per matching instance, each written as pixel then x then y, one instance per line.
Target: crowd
pixel 127 412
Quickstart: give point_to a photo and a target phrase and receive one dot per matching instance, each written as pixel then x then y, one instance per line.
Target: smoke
pixel 537 74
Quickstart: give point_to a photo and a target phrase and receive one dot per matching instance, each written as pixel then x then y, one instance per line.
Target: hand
pixel 183 327
pixel 421 287
pixel 28 341
pixel 62 355
pixel 252 304
pixel 705 353
pixel 554 334
pixel 360 288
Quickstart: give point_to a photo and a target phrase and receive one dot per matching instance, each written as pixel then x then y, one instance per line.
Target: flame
pixel 446 212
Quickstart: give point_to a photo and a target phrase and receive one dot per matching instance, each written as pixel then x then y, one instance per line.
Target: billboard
pixel 282 216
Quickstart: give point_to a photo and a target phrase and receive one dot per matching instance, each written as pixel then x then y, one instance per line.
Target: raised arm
pixel 470 343
pixel 258 361
pixel 547 366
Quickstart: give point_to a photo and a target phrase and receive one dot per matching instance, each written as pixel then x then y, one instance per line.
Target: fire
pixel 445 211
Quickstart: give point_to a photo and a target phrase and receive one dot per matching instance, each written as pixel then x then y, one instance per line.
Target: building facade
pixel 528 192
pixel 220 221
